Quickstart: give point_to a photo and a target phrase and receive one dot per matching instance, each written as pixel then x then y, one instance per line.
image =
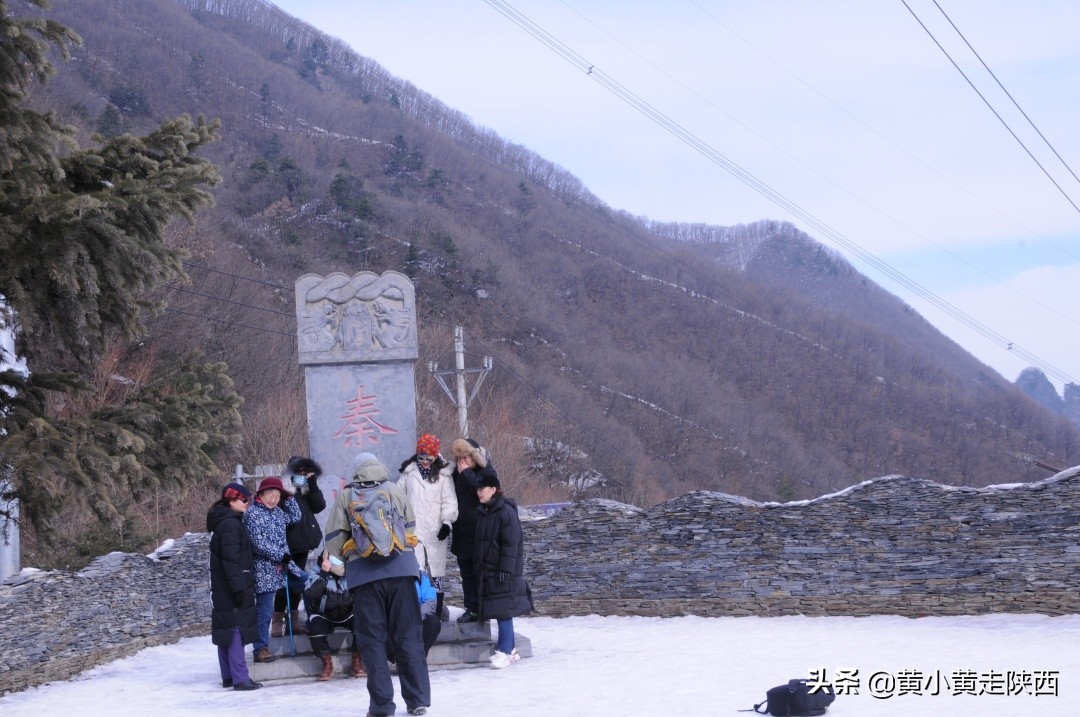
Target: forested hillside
pixel 640 359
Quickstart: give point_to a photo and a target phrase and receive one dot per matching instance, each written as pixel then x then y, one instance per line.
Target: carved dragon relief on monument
pixel 364 317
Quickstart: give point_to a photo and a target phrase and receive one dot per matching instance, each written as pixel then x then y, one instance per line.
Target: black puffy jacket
pixel 232 577
pixel 465 483
pixel 306 535
pixel 499 549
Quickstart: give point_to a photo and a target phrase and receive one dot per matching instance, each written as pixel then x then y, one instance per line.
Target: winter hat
pixel 235 491
pixel 427 445
pixel 273 482
pixel 302 466
pixel 463 447
pixel 488 479
pixel 360 459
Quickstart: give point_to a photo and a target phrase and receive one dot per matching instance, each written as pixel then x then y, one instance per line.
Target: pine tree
pixel 81 236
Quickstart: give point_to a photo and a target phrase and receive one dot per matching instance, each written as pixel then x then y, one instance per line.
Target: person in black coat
pixel 499 561
pixel 472 463
pixel 302 475
pixel 232 586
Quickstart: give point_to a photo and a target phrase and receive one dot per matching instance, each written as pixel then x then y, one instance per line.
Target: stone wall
pixel 54 625
pixel 892 545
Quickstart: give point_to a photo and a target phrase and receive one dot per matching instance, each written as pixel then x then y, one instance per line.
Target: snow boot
pixel 264 655
pixel 298 626
pixel 327 668
pixel 277 624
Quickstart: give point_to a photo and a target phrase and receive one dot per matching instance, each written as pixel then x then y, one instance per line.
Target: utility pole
pixel 457 397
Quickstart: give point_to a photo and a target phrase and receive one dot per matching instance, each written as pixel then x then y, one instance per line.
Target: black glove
pixel 285 560
pixel 503 576
pixel 444 532
pixel 238 598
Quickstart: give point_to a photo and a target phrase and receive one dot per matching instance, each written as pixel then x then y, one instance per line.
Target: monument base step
pixel 458 646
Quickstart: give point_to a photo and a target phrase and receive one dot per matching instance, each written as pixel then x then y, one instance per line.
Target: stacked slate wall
pixel 54 625
pixel 892 545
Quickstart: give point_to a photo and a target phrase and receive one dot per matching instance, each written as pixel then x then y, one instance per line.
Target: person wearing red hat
pixel 429 484
pixel 272 512
pixel 232 586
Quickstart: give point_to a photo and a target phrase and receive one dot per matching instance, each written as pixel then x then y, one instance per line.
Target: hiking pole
pixel 288 614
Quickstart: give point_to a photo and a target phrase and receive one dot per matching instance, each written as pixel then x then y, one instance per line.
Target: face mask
pixel 299 480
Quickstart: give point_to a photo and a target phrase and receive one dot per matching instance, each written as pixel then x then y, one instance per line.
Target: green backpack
pixel 378 527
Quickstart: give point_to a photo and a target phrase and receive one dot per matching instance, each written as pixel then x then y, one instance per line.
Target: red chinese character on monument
pixel 360 424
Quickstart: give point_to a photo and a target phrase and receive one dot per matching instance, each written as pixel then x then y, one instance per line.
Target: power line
pixel 994 111
pixel 237 276
pixel 539 394
pixel 764 189
pixel 230 323
pixel 1007 93
pixel 605 215
pixel 230 301
pixel 889 141
pixel 854 196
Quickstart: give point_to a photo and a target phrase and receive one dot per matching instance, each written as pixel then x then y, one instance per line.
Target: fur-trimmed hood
pixel 302 466
pixel 468 447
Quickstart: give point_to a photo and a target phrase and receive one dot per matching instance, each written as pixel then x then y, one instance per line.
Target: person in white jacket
pixel 428 482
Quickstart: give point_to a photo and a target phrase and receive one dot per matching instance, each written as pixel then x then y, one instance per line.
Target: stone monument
pixel 356 339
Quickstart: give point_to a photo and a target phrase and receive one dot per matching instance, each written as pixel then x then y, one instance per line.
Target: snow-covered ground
pixel 627 666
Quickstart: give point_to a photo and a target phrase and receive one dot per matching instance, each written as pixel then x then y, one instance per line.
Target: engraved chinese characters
pixel 356 339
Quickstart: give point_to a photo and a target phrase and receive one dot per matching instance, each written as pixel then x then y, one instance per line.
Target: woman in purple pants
pixel 232 586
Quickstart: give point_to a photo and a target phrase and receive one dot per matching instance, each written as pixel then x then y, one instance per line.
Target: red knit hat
pixel 427 445
pixel 271 483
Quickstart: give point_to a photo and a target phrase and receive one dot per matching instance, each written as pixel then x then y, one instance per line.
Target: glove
pixel 504 576
pixel 238 598
pixel 444 532
pixel 285 560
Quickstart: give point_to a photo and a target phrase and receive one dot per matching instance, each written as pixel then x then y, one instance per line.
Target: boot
pixel 263 655
pixel 298 626
pixel 277 624
pixel 327 668
pixel 358 666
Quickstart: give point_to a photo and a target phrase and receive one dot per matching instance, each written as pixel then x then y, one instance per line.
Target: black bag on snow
pixel 795 700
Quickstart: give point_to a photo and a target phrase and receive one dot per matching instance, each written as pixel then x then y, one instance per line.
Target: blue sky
pixel 847 109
